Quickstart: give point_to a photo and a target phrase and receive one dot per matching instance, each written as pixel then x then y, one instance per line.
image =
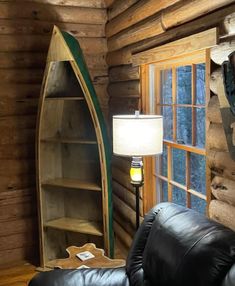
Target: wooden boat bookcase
pixel 72 156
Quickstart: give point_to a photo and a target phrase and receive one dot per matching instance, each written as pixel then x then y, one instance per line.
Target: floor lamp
pixel 137 136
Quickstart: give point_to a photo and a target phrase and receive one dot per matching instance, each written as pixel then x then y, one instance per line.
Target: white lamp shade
pixel 140 135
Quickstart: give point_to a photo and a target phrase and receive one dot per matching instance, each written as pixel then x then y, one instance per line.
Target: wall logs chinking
pixel 134 26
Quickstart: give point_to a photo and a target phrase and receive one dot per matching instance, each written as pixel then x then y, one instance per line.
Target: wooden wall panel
pixel 25 31
pixel 134 27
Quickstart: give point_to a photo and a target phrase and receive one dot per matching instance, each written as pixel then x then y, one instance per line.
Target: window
pixel 177 90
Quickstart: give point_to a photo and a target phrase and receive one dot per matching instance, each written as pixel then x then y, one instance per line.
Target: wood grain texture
pixel 143 30
pixel 180 47
pixel 75 3
pixel 36 27
pixel 118 7
pixel 186 11
pixel 17 274
pixel 123 73
pixel 223 189
pixel 36 11
pixel 222 213
pixel 139 11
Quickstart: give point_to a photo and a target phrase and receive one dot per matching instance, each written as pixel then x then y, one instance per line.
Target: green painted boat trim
pixel 80 61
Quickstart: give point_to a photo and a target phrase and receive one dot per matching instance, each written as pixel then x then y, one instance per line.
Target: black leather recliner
pixel 174 246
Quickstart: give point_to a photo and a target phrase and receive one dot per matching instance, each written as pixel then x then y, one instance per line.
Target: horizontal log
pixel 199 41
pixel 17 240
pixel 137 12
pixel 127 213
pixel 220 53
pixel 109 3
pixel 129 228
pixel 17 122
pixel 213 110
pixel 124 73
pixel 119 7
pixel 22 60
pixel 126 196
pixel 35 27
pixel 216 74
pixel 80 3
pixel 17 226
pixel 9 106
pixel 149 28
pixel 18 210
pixel 122 178
pixel 228 24
pixel 18 91
pixel 19 254
pixel 11 136
pixel 16 167
pixel 16 182
pixel 124 89
pixel 68 14
pixel 14 197
pixel 122 163
pixel 123 105
pixel 24 43
pixel 198 25
pixel 184 12
pixel 21 76
pixel 96 61
pixel 122 235
pixel 222 213
pixel 223 189
pixel 40 43
pixel 221 163
pixel 123 56
pixel 120 57
pixel 88 44
pixel 216 137
pixel 17 151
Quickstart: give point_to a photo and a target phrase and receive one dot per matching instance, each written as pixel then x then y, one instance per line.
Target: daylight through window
pixel 178 92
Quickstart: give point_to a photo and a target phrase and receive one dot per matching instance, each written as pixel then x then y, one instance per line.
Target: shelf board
pixel 68 140
pixel 64 98
pixel 71 184
pixel 76 225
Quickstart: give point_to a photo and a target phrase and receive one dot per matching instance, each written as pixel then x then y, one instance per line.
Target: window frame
pixel 150 198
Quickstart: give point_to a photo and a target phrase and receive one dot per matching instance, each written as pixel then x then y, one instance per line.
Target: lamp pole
pixel 137 180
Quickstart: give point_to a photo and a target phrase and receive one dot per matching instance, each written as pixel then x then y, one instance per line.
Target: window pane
pixel 198 204
pixel 178 196
pixel 161 163
pixel 184 125
pixel 178 166
pixel 200 86
pixel 162 190
pixel 200 119
pixel 184 85
pixel 167 122
pixel 164 161
pixel 166 86
pixel 198 173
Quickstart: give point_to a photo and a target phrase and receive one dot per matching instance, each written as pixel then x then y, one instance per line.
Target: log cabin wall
pixel 25 31
pixel 135 26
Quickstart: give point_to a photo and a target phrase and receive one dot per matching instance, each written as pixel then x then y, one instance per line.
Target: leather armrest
pixel 82 277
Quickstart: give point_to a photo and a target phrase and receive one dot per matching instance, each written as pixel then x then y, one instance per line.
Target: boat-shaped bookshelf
pixel 73 171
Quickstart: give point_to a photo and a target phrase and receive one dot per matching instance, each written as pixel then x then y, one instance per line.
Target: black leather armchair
pixel 173 246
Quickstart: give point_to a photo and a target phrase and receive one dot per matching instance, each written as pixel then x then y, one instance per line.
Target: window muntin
pixel 180 96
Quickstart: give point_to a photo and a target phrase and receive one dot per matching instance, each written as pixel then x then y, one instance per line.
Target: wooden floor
pixel 21 273
pixel 17 275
